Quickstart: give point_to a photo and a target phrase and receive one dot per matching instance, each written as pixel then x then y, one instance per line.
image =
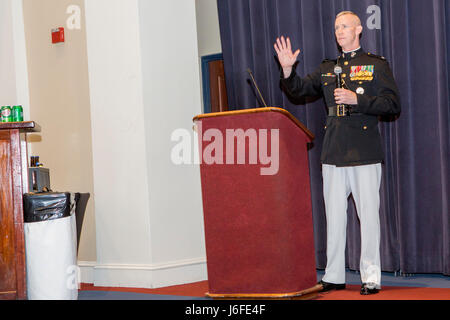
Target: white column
pixel 144 84
pixel 118 143
pixel 172 97
pixel 20 61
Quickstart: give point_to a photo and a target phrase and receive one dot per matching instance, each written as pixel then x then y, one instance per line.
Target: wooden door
pixel 218 88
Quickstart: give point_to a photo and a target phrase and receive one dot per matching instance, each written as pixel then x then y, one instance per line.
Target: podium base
pixel 307 294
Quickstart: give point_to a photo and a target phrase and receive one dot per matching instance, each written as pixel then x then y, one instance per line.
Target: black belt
pixel 341 111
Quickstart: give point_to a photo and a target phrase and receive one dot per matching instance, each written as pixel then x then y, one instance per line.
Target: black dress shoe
pixel 327 286
pixel 365 290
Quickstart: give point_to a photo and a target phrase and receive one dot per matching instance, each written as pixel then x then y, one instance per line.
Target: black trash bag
pixel 39 207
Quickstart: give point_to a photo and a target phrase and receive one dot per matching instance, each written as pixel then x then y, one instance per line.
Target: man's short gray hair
pixel 343 13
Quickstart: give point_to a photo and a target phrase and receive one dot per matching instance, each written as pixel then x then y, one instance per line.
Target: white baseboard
pixel 143 276
pixel 86 271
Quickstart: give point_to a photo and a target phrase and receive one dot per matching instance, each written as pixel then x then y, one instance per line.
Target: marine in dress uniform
pixel 352 137
pixel 352 155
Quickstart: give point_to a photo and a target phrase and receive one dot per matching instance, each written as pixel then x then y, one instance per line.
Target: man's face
pixel 347 30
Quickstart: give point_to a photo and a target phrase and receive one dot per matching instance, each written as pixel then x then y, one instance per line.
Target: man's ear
pixel 359 30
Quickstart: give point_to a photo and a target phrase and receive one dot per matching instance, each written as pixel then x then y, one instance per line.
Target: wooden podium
pixel 13 184
pixel 258 223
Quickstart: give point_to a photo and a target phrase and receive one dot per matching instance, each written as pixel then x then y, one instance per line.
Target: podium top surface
pixel 25 126
pixel 258 110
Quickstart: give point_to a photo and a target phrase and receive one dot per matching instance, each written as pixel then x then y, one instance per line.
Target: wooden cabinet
pixel 13 184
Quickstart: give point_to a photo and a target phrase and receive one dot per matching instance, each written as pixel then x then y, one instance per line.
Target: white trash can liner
pixel 51 252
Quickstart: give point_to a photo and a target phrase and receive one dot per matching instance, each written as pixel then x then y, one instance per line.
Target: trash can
pixel 50 246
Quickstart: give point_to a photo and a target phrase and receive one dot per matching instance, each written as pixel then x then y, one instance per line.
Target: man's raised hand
pixel 285 56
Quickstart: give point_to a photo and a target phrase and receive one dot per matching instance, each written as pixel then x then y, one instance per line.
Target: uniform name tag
pixel 362 73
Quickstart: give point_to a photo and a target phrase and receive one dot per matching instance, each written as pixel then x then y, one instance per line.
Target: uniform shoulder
pixel 376 56
pixel 327 61
pixel 377 60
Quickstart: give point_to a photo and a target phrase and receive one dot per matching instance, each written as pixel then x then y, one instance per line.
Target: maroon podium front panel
pixel 258 228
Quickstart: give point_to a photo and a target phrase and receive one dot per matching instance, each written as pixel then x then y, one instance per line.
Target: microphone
pixel 339 85
pixel 256 86
pixel 338 72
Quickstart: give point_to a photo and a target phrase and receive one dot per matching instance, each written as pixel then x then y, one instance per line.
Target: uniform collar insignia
pixel 352 54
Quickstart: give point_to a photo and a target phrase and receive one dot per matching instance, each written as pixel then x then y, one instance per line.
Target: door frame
pixel 205 60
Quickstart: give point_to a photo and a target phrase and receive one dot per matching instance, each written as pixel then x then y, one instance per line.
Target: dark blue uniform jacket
pixel 351 140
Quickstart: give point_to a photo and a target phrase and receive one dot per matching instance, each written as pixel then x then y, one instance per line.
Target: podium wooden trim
pixel 258 110
pixel 13 178
pixel 300 295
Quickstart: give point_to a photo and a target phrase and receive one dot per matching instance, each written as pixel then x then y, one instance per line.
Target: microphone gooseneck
pixel 257 88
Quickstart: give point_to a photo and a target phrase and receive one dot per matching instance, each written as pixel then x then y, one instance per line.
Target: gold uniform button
pixel 326 83
pixel 344 75
pixel 346 63
pixel 365 127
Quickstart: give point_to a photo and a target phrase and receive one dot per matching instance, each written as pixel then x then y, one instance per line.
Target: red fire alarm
pixel 58 35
